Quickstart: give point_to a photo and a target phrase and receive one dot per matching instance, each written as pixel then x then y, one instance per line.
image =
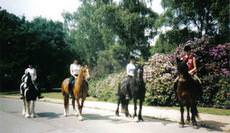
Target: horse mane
pixel 79 81
pixel 182 69
pixel 29 79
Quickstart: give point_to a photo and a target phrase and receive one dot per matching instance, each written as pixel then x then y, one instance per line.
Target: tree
pixel 98 26
pixel 40 42
pixel 209 17
pixel 167 42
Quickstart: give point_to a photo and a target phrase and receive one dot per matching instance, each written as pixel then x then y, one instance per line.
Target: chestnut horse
pixel 80 91
pixel 188 91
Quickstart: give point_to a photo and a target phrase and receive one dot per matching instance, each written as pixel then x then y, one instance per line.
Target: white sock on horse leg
pixel 33 110
pixel 65 112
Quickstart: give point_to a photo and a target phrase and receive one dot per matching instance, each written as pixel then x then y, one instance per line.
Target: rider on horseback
pixel 190 60
pixel 130 70
pixel 74 71
pixel 32 72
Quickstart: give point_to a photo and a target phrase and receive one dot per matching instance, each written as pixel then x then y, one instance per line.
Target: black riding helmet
pixel 187 48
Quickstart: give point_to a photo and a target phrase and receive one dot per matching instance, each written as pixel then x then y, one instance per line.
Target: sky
pixel 51 9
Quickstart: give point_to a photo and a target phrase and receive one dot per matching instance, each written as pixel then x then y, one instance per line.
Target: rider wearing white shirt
pixel 74 71
pixel 32 71
pixel 75 68
pixel 130 70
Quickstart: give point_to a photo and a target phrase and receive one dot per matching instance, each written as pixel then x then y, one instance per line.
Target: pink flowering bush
pixel 213 63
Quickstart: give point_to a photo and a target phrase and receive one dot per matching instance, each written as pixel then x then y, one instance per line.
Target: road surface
pixel 50 120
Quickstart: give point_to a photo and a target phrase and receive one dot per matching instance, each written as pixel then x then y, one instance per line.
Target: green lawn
pixel 58 95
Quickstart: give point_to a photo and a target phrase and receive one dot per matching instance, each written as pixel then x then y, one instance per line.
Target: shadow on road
pixel 49 115
pixel 121 119
pixel 213 125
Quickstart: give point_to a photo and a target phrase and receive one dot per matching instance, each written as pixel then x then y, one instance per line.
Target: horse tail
pixel 120 97
pixel 123 104
pixel 64 87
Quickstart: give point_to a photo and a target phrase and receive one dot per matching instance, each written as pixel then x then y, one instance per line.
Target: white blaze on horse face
pixel 87 74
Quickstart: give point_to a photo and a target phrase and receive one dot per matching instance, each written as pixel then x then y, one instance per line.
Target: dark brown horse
pixel 80 91
pixel 136 88
pixel 187 91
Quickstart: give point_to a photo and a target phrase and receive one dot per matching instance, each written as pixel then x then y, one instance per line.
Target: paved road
pixel 50 120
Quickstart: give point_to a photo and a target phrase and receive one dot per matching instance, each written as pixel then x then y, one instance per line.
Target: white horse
pixel 30 94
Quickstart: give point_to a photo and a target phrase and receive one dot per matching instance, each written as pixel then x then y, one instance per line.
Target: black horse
pixel 188 91
pixel 30 95
pixel 135 88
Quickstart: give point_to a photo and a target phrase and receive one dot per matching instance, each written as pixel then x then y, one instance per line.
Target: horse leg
pixel 188 114
pixel 24 107
pixel 182 115
pixel 118 104
pixel 66 104
pixel 82 104
pixel 140 111
pixel 32 109
pixel 127 109
pixel 135 107
pixel 74 108
pixel 193 110
pixel 27 115
pixel 79 109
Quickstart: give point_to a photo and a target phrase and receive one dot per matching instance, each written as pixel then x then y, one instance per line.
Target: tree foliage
pixel 103 25
pixel 40 42
pixel 209 17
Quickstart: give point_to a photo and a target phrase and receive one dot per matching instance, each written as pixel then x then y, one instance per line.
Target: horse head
pixel 139 72
pixel 28 79
pixel 85 72
pixel 182 67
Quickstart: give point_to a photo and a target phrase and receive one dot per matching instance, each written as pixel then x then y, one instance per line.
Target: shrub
pixel 222 97
pixel 105 88
pixel 159 74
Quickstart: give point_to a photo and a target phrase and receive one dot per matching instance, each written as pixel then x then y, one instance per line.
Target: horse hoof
pixel 181 125
pixel 187 122
pixel 33 116
pixel 75 113
pixel 80 118
pixel 195 125
pixel 136 119
pixel 64 115
pixel 27 116
pixel 117 113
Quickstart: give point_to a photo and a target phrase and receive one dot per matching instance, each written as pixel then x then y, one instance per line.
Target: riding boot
pixel 70 90
pixel 71 94
pixel 70 86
